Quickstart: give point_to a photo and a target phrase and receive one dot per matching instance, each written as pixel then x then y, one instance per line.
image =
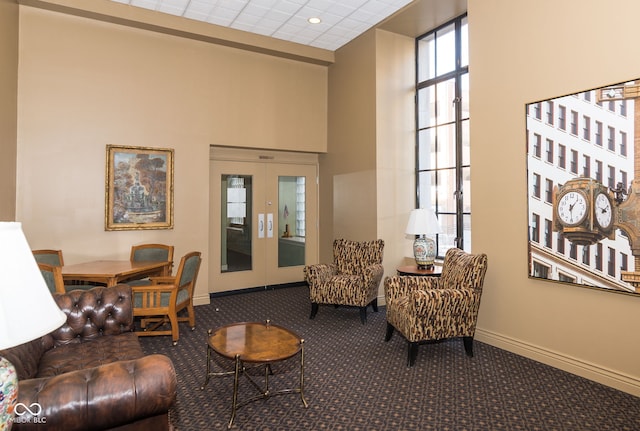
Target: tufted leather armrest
pixel 103 397
pixel 93 313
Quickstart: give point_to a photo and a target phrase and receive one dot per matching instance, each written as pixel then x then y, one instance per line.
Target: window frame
pixel 459 172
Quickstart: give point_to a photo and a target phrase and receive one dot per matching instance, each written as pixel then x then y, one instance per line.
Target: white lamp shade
pixel 27 308
pixel 422 222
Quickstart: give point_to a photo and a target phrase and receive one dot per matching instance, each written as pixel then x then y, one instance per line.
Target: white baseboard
pixel 605 376
pixel 201 299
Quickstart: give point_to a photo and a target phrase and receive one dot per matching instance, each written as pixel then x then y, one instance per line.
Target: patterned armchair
pixel 352 279
pixel 432 308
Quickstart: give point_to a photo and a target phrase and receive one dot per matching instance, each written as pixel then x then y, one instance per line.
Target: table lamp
pixel 27 309
pixel 423 222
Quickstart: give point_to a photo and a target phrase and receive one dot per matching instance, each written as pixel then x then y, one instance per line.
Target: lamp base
pixel 424 252
pixel 8 393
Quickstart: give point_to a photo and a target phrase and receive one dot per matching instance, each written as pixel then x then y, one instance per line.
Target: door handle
pixel 260 225
pixel 270 225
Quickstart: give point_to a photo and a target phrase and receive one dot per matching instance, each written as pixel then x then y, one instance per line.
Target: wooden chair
pixel 52 275
pixel 161 301
pixel 50 257
pixel 151 252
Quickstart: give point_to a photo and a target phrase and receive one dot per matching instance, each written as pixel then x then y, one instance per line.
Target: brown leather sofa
pixel 91 373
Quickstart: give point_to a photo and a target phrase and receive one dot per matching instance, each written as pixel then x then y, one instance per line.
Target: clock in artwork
pixel 583 211
pixel 572 208
pixel 603 211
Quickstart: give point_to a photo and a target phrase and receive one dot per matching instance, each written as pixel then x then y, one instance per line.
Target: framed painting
pixel 583 175
pixel 139 188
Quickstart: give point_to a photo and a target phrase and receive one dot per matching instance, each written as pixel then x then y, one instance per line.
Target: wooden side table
pixel 260 343
pixel 413 270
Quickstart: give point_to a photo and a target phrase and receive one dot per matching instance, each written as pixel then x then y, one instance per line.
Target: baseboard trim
pixel 201 299
pixel 588 370
pixel 256 289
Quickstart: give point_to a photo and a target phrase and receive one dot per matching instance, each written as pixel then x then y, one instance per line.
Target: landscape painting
pixel 139 188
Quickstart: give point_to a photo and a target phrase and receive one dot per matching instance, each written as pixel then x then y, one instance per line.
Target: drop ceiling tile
pixel 342 20
pixel 147 4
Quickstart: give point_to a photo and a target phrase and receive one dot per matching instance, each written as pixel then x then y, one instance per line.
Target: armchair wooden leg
pixel 374 304
pixel 468 345
pixel 192 317
pixel 389 333
pixel 363 314
pixel 175 331
pixel 412 353
pixel 314 310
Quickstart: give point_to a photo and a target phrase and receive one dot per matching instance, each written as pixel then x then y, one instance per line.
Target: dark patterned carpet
pixel 355 381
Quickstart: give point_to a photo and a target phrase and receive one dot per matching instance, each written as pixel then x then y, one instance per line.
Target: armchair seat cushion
pixel 339 290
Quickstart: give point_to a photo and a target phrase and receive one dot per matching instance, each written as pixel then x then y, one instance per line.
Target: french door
pixel 264 219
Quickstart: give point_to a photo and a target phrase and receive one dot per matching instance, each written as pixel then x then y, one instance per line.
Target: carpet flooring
pixel 354 380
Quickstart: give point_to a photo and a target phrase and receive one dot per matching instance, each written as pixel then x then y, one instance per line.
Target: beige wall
pixel 8 107
pixel 85 84
pixel 560 48
pixel 395 145
pixel 367 181
pixel 348 169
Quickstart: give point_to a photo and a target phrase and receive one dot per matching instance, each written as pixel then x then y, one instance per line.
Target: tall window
pixel 550 150
pixel 586 257
pixel 535 228
pixel 623 143
pixel 536 185
pixel 547 233
pixel 586 128
pixel 586 166
pixel 537 145
pixel 442 139
pixel 574 162
pixel 550 112
pixel 599 133
pixel 562 156
pixel 574 123
pixel 611 139
pixel 548 191
pixel 562 117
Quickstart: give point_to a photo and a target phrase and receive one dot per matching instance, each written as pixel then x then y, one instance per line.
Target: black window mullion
pixel 457 141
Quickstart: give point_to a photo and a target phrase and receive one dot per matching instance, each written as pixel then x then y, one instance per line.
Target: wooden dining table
pixel 112 272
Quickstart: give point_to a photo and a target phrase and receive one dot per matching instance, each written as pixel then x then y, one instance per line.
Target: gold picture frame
pixel 138 188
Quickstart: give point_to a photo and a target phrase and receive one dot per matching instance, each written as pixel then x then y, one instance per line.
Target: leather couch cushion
pixel 89 354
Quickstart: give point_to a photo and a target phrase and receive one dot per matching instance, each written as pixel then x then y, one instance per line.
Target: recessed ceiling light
pixel 314 20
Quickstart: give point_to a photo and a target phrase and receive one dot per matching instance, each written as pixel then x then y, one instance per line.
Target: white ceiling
pixel 341 20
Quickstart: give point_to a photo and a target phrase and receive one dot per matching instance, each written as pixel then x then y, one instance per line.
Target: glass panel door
pixel 264 223
pixel 291 221
pixel 236 215
pixel 293 188
pixel 237 198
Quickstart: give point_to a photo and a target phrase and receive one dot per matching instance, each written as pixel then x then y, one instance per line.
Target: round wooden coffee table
pixel 260 343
